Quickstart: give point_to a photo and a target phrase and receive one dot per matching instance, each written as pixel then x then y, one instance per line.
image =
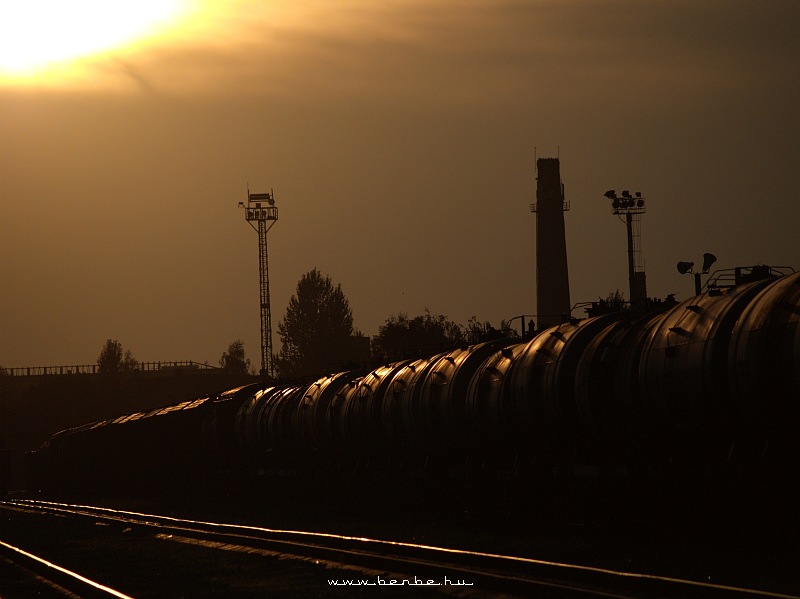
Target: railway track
pixel 24 574
pixel 356 561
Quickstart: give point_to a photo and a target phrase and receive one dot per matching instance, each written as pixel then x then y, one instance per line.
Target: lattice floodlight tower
pixel 261 210
pixel 632 206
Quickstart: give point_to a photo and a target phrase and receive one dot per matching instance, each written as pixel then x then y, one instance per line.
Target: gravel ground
pixel 752 543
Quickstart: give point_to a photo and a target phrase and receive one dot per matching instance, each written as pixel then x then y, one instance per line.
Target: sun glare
pixel 37 36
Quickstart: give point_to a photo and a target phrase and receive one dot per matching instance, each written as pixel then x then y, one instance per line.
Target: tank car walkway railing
pixel 184 365
pixel 730 277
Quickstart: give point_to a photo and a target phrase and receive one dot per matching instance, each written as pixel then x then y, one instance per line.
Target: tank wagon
pixel 709 386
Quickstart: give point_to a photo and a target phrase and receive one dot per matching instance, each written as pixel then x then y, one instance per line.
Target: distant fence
pixel 186 365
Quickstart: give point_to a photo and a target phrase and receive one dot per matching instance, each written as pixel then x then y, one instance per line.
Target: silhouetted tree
pixel 475 329
pixel 113 359
pixel 401 336
pixel 129 363
pixel 316 330
pixel 234 361
pixel 613 302
pixel 477 332
pixel 616 301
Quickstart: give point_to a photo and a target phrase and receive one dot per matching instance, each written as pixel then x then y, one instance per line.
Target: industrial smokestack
pixel 552 277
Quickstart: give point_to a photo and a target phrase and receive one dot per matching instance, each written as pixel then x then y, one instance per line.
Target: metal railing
pixel 184 365
pixel 730 277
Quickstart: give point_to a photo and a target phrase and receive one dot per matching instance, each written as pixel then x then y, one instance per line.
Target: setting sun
pixel 39 35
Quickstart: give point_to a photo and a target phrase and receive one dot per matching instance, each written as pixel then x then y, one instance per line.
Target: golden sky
pixel 400 139
pixel 81 43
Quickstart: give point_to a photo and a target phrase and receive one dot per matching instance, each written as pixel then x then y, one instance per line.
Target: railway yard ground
pixel 141 557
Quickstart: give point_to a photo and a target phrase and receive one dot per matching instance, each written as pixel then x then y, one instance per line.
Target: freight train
pixel 708 387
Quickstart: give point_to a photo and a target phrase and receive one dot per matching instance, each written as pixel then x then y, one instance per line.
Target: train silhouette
pixel 708 387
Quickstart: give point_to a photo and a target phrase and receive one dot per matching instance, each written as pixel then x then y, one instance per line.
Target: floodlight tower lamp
pixel 687 268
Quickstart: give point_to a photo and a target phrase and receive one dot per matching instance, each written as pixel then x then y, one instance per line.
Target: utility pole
pixel 261 210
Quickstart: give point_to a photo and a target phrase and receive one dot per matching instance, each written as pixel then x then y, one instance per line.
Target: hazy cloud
pixel 408 128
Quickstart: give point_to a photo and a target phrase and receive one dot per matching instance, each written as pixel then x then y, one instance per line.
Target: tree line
pixel 317 336
pixel 113 359
pixel 317 333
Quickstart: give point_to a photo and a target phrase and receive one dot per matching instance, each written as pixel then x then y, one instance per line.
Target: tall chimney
pixel 552 278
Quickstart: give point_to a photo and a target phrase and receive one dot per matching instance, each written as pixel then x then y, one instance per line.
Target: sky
pixel 400 139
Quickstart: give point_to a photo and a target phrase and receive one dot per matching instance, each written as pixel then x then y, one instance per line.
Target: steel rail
pixel 483 569
pixel 59 579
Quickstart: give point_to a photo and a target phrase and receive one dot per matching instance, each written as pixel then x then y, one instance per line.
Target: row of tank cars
pixel 706 388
